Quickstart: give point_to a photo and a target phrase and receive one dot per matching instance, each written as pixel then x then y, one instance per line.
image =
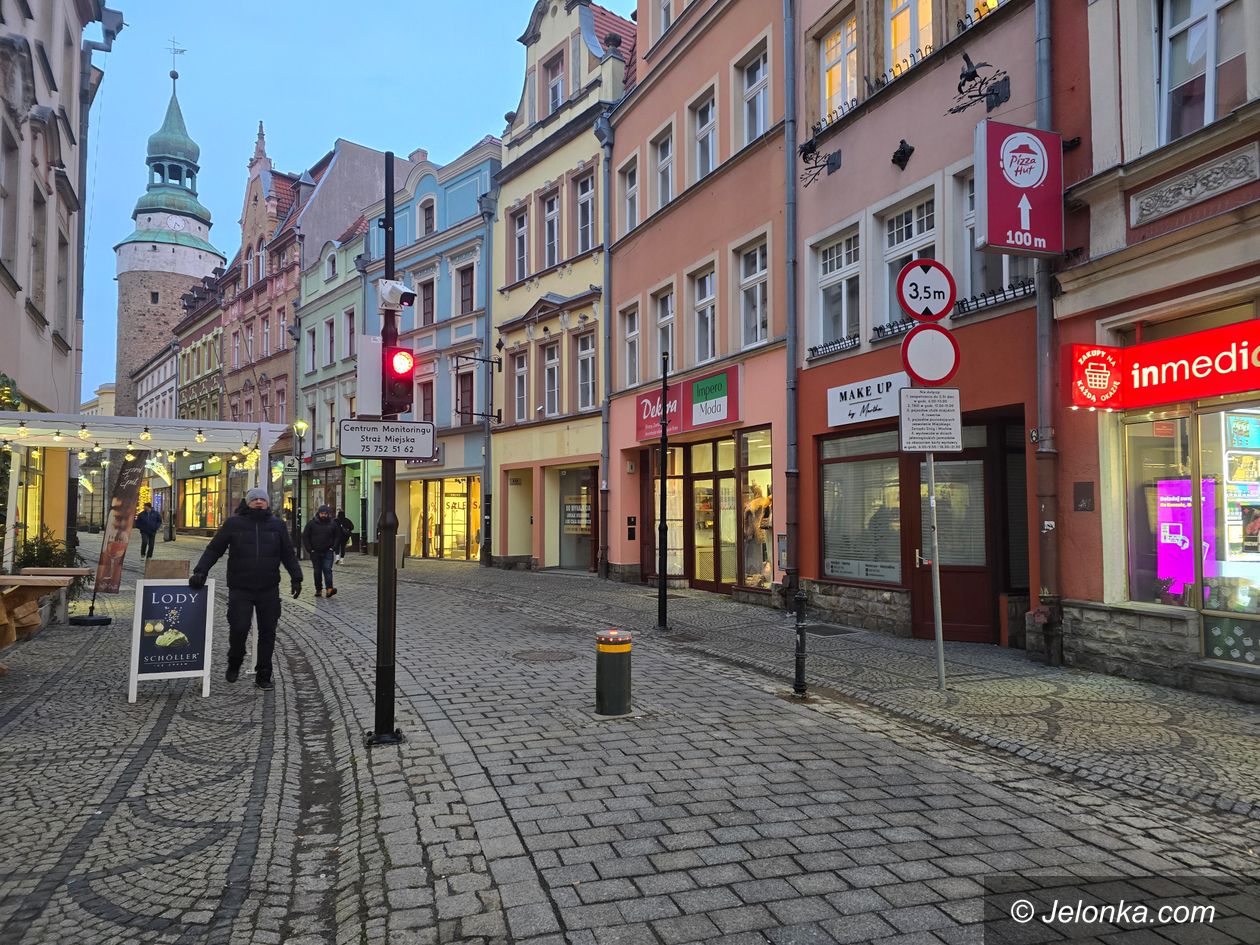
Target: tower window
pixel 153 298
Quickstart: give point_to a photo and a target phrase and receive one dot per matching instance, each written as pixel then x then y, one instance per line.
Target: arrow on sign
pixel 1025 212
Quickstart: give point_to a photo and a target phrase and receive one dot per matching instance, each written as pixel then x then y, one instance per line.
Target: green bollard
pixel 612 673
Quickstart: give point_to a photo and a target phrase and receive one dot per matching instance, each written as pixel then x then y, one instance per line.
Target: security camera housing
pixel 393 294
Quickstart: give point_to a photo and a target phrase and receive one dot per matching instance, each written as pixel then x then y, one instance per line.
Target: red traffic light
pixel 402 363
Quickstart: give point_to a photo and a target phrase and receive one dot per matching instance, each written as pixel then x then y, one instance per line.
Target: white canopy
pixel 220 436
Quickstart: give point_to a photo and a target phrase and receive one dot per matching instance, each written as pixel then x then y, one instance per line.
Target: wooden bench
pixel 19 602
pixel 62 611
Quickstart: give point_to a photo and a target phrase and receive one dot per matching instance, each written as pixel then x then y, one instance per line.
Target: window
pixel 520 230
pixel 630 195
pixel 551 380
pixel 551 231
pixel 909 32
pixel 909 234
pixel 665 327
pixel 839 65
pixel 630 332
pixel 153 298
pixel 861 508
pixel 249 411
pixel 753 304
pixel 839 266
pixel 706 317
pixel 330 431
pixel 281 334
pixel 249 267
pixel 664 150
pixel 261 259
pixel 280 417
pixel 347 318
pixel 987 271
pixel 330 341
pixel 426 401
pixel 249 343
pixel 667 15
pixel 586 371
pixel 1205 67
pixel 520 378
pixel 704 117
pixel 586 214
pixel 466 300
pixel 756 97
pixel 236 350
pixel 464 404
pixel 8 199
pixel 426 213
pixel 555 84
pixel 426 303
pixel 310 350
pixel 39 246
pixel 266 337
pixel 352 406
pixel 330 266
pixel 756 512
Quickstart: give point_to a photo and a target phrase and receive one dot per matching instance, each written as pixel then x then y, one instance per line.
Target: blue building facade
pixel 442 234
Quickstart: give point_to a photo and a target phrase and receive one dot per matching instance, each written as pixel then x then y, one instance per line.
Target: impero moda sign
pixel 1209 363
pixel 690 405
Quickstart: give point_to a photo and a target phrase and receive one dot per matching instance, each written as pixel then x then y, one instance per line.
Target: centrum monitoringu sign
pixel 692 404
pixel 386 439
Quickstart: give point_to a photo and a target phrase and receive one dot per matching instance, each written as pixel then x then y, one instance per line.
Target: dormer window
pixel 330 266
pixel 555 84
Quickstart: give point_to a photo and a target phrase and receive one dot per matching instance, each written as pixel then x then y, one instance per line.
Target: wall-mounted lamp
pixel 498 345
pixel 901 157
pixel 546 331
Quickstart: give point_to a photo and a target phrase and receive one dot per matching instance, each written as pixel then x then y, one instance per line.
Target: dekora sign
pixel 1209 363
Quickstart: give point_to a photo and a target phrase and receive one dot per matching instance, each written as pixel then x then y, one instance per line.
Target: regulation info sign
pixel 931 420
pixel 386 439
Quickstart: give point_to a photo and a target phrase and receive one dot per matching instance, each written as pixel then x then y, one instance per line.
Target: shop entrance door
pixel 967 594
pixel 715 533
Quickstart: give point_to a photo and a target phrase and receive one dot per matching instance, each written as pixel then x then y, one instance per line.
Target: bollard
pixel 612 672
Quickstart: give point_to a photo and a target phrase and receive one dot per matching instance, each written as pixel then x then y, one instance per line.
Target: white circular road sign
pixel 926 289
pixel 930 354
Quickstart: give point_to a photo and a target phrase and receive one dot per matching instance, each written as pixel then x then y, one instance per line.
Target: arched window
pixel 330 266
pixel 177 174
pixel 249 267
pixel 262 261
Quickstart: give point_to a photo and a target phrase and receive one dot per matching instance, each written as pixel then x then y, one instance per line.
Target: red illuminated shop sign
pixel 694 404
pixel 1204 364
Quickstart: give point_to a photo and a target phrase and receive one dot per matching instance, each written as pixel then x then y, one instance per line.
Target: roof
pixel 357 228
pixel 172 139
pixel 608 22
pixel 170 237
pixel 292 209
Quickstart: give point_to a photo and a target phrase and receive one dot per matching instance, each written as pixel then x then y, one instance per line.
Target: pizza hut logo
pixel 1096 377
pixel 1024 160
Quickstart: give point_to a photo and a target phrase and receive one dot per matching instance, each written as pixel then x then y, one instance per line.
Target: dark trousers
pixel 242 606
pixel 146 544
pixel 341 544
pixel 322 565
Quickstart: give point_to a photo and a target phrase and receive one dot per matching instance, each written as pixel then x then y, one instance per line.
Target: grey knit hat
pixel 257 493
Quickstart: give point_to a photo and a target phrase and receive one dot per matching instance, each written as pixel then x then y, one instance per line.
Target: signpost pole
pixel 384 732
pixel 936 575
pixel 662 532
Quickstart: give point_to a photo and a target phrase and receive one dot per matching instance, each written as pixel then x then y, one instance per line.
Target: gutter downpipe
pixel 1049 613
pixel 488 205
pixel 791 573
pixel 604 134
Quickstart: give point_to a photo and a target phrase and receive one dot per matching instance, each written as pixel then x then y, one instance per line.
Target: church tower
pixel 167 253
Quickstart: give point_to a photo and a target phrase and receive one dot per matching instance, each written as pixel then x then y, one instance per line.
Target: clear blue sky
pixel 390 74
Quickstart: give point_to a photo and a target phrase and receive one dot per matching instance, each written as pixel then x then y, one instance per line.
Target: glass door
pixel 433 519
pixel 704 531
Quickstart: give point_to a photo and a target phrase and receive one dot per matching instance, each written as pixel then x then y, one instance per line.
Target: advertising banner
pixel 1019 189
pixel 122 515
pixel 171 633
pixel 693 404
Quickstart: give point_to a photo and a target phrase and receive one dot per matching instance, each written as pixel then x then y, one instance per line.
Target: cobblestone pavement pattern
pixel 720 812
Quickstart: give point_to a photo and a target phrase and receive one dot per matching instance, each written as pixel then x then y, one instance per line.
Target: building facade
pixel 442 238
pixel 101 405
pixel 1159 321
pixel 156 386
pixel 698 263
pixel 548 259
pixel 200 489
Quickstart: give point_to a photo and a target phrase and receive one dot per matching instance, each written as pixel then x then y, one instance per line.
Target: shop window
pixel 960 513
pixel 909 234
pixel 756 509
pixel 1160 511
pixel 861 508
pixel 1204 63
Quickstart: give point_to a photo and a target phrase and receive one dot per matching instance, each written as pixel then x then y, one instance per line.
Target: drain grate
pixel 545 656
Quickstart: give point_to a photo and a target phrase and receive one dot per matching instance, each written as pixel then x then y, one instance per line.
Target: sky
pixel 390 74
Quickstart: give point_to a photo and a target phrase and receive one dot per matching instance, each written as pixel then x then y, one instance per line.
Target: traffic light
pixel 397 380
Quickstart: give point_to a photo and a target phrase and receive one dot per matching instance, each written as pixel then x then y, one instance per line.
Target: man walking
pixel 320 538
pixel 257 544
pixel 347 529
pixel 148 523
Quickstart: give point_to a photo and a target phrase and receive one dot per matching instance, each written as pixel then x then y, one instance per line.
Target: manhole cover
pixel 545 656
pixel 823 630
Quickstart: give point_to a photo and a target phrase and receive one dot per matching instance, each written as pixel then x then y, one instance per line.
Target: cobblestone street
pixel 722 811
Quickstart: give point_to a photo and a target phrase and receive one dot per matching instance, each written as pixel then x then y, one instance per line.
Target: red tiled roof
pixel 608 22
pixel 316 172
pixel 282 187
pixel 632 66
pixel 357 228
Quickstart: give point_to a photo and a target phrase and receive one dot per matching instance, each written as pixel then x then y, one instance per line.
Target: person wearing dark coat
pixel 320 538
pixel 347 529
pixel 148 523
pixel 257 544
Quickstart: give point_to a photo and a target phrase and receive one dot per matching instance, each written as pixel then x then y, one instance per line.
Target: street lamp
pixel 300 427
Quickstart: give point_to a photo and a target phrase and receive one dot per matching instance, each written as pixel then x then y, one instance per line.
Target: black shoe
pixel 265 684
pixel 331 591
pixel 232 674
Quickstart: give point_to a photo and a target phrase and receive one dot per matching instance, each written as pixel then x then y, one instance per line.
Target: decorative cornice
pixel 1238 167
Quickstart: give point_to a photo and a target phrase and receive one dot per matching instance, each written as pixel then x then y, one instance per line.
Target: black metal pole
pixel 662 531
pixel 798 684
pixel 297 501
pixel 384 731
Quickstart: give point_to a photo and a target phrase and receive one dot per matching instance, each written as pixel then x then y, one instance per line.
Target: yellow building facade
pixel 548 259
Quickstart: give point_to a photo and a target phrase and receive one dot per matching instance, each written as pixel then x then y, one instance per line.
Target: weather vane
pixel 175 50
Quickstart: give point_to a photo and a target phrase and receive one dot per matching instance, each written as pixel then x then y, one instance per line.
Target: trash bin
pixel 612 672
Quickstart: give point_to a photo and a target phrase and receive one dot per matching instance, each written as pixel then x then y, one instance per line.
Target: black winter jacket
pixel 149 522
pixel 257 544
pixel 321 534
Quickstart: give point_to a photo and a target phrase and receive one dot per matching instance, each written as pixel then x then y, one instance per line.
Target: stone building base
pixel 869 608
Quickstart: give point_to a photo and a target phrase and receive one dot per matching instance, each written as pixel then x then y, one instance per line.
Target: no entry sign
pixel 930 355
pixel 1019 189
pixel 926 290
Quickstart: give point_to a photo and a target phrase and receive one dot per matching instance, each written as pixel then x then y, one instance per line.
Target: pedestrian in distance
pixel 347 529
pixel 257 544
pixel 320 538
pixel 148 523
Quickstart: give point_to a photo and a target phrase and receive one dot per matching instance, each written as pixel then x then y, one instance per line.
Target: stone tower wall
pixel 144 328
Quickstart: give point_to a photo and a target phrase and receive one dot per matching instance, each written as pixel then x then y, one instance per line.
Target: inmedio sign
pixel 386 439
pixel 872 399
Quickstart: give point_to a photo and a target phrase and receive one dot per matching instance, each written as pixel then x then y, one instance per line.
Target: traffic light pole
pixel 384 732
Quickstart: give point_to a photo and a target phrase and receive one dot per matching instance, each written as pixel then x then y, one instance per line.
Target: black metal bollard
pixel 612 672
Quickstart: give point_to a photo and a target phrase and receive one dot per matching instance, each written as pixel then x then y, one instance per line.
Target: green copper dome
pixel 171 141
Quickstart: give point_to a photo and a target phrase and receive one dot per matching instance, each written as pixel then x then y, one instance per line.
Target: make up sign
pixel 711 400
pixel 171 633
pixel 875 398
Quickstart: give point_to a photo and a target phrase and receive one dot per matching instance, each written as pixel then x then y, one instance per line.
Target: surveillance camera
pixel 392 294
pixel 539 410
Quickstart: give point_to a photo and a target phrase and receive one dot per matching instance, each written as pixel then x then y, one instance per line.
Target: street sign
pixel 929 354
pixel 926 290
pixel 291 464
pixel 931 420
pixel 386 439
pixel 1019 189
